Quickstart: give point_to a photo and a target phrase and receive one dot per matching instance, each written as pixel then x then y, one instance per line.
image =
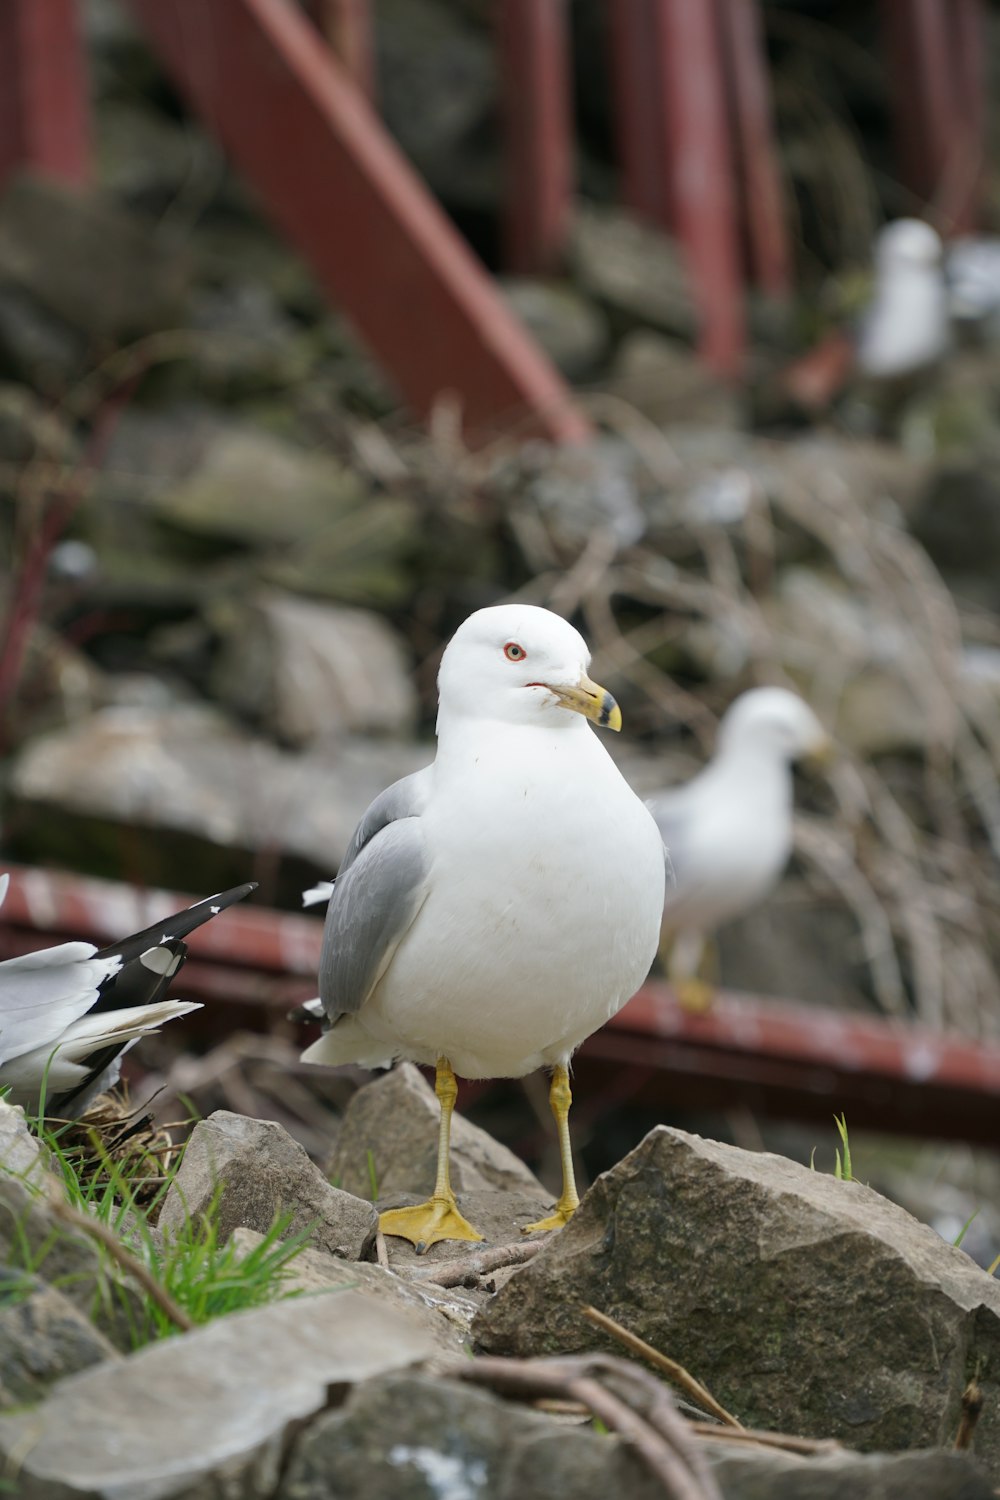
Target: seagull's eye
pixel 514 652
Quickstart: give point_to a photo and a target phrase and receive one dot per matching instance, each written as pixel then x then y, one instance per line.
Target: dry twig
pixel 663 1362
pixel 470 1268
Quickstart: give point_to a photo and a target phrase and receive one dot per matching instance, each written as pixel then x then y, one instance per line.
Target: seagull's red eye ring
pixel 514 652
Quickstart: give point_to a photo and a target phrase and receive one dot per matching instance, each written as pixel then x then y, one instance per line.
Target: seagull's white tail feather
pixel 42 995
pixel 68 1067
pixel 317 894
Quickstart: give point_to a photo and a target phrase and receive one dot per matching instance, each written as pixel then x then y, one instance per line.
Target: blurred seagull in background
pixel 728 831
pixel 497 907
pixel 906 327
pixel 69 1013
pixel 903 331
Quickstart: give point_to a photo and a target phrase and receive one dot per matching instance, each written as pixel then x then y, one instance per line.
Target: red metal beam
pixel 779 1058
pixel 346 25
pixel 44 123
pixel 754 144
pixel 771 1056
pixel 259 75
pixel 533 37
pixel 692 119
pixel 637 108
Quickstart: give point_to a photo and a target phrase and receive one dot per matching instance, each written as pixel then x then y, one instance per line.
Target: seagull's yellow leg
pixel 691 965
pixel 438 1218
pixel 560 1099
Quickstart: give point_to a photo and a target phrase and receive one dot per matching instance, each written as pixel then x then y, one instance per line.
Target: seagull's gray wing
pixel 382 884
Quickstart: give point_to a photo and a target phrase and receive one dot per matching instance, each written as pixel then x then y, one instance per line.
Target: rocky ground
pixel 713 1324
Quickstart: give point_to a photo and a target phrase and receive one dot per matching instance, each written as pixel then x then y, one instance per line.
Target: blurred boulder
pixel 310 672
pixel 666 381
pixel 249 1173
pixel 633 270
pixel 315 526
pixel 437 85
pixel 83 260
pixel 35 345
pixel 570 328
pixel 957 519
pixel 186 768
pixel 751 1269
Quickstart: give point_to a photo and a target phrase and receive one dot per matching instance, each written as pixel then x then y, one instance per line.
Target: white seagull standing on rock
pixel 497 907
pixel 729 829
pixel 69 1013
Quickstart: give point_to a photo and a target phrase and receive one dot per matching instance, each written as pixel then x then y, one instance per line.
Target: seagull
pixel 729 829
pixel 906 327
pixel 500 905
pixel 69 1013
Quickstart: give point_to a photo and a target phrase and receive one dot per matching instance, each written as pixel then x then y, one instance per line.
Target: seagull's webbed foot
pixel 694 995
pixel 560 1216
pixel 426 1223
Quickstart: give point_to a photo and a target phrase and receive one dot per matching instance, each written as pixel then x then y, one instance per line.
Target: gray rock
pixel 42 1338
pixel 252 1172
pixel 665 380
pixel 312 522
pixel 769 1475
pixel 437 95
pixel 36 346
pixel 311 671
pixel 96 269
pixel 634 270
pixel 187 768
pixel 445 1314
pixel 395 1119
pixel 805 1304
pixel 32 1237
pixel 21 1153
pixel 572 330
pixel 407 1437
pixel 205 1413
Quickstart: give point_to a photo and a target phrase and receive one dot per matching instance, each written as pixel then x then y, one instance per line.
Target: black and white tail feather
pixel 69 1013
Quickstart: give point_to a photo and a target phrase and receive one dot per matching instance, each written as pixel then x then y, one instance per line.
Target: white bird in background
pixel 729 830
pixel 907 325
pixel 69 1013
pixel 497 907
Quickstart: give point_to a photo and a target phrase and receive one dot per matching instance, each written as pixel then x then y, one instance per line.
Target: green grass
pixel 194 1269
pixel 842 1169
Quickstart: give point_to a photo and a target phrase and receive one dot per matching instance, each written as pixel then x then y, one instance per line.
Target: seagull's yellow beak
pixel 821 756
pixel 591 700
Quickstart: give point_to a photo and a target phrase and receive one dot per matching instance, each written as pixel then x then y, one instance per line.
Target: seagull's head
pixel 524 665
pixel 774 722
pixel 908 243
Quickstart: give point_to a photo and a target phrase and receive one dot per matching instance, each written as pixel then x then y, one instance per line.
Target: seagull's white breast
pixel 547 883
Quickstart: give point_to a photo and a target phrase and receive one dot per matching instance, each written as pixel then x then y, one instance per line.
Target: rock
pixel 389 1132
pixel 316 528
pixel 572 331
pixel 185 768
pixel 28 430
pixel 445 1313
pixel 36 346
pixel 805 1304
pixel 309 671
pixel 635 271
pixel 205 1413
pixel 746 1474
pixel 957 520
pixel 576 490
pixel 438 97
pixel 31 1237
pixel 247 343
pixel 665 380
pixel 498 1214
pixel 252 1172
pixel 91 266
pixel 880 707
pixel 42 1338
pixel 410 1436
pixel 21 1153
